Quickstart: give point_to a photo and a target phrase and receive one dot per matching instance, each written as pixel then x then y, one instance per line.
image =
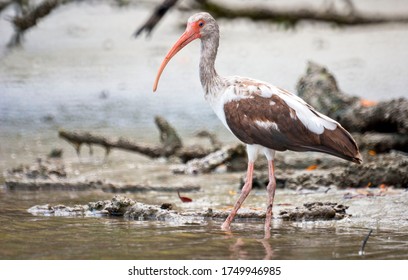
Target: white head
pixel 199 26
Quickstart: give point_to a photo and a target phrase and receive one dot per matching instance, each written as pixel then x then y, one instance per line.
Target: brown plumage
pixel 288 132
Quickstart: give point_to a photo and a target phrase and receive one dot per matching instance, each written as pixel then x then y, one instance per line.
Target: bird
pixel 265 117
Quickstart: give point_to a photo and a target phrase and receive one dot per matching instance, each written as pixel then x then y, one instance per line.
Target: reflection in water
pixel 237 250
pixel 268 249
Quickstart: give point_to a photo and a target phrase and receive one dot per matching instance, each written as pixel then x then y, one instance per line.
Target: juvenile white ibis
pixel 265 117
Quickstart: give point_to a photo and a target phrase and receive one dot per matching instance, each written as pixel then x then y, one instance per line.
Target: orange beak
pixel 192 32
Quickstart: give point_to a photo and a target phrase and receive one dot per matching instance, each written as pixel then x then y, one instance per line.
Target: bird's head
pixel 200 25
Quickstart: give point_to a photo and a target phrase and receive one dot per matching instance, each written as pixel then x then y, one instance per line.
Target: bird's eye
pixel 201 23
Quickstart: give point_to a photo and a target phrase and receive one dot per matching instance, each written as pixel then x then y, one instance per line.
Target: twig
pixel 363 244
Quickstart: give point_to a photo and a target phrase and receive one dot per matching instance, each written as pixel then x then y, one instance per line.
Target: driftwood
pixel 171 144
pixel 291 16
pixel 128 208
pixel 318 87
pixel 208 163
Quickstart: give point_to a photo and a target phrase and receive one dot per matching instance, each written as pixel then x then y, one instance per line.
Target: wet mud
pixel 131 209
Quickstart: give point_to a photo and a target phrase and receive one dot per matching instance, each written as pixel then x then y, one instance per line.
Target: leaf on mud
pixel 184 198
pixel 311 167
pixel 367 103
pixel 232 192
pixel 372 152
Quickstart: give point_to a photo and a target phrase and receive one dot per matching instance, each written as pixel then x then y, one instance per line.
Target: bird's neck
pixel 210 80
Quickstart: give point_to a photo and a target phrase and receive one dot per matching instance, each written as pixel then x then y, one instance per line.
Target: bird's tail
pixel 340 143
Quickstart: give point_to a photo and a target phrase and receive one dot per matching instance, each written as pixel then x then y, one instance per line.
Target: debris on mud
pixel 315 211
pixel 128 208
pixel 51 175
pixel 42 169
pixel 73 185
pixel 387 169
pixel 384 169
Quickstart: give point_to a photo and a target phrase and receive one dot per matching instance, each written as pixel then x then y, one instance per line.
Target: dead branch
pixel 168 135
pixel 155 17
pixel 171 144
pixel 170 141
pixel 4 4
pixel 29 19
pixel 77 139
pixel 30 16
pixel 215 142
pixel 212 160
pixel 292 16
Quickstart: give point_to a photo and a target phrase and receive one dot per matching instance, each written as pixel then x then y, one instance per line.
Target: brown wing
pixel 271 123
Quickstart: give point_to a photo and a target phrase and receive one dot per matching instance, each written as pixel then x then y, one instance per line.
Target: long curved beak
pixel 189 35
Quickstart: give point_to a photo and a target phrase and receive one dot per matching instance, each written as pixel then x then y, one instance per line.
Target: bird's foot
pixel 226 226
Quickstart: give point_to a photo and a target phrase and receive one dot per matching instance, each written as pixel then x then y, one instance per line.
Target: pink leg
pixel 244 193
pixel 271 195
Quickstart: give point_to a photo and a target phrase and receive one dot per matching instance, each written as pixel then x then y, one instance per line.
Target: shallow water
pixel 24 236
pixel 85 72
